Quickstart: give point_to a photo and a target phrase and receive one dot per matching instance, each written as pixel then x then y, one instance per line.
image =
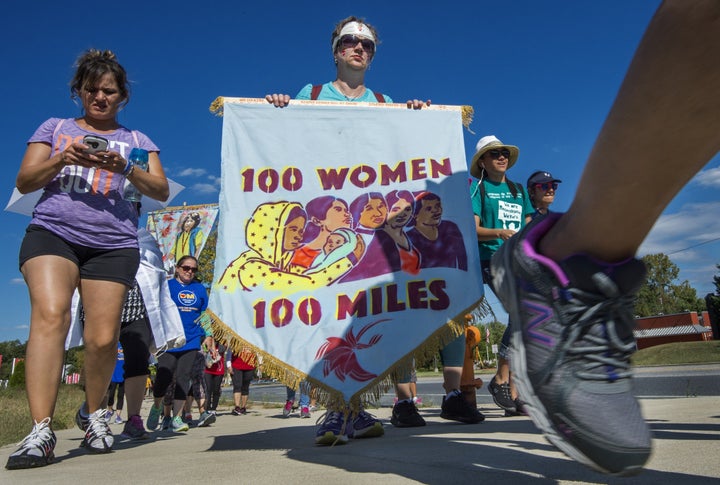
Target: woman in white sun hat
pixel 501 208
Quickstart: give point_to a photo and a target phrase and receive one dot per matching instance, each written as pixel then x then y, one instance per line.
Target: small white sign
pixel 494 348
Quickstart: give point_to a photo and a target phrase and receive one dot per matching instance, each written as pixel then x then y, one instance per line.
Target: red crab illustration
pixel 339 354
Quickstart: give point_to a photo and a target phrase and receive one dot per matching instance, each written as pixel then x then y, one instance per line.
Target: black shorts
pixel 135 338
pixel 118 265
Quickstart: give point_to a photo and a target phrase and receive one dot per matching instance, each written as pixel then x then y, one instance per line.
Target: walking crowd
pixel 95 278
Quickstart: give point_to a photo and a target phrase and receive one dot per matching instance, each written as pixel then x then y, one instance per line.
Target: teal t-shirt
pixel 330 93
pixel 500 211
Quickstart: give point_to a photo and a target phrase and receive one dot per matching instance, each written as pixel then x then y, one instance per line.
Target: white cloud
pixel 708 178
pixel 192 172
pixel 205 188
pixel 693 224
pixel 681 236
pixel 21 327
pixel 17 281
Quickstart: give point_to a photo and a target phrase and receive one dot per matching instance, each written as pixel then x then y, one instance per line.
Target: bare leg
pixel 662 129
pixel 451 378
pixel 134 394
pixel 103 301
pixel 402 390
pixel 51 281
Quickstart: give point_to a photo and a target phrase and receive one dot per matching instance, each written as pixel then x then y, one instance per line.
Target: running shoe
pixel 118 420
pixel 178 425
pixel 206 419
pixel 108 416
pixel 406 415
pixel 166 423
pixel 153 418
pixel 98 437
pixel 502 396
pixel 134 429
pixel 37 449
pixel 243 410
pixel 572 343
pixel 237 411
pixel 81 419
pixel 365 425
pixel 187 417
pixel 288 408
pixel 456 408
pixel 332 429
pixel 305 412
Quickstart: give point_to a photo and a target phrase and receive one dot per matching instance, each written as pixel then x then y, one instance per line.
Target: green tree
pixel 18 378
pixel 9 350
pixel 660 294
pixel 206 261
pixel 75 357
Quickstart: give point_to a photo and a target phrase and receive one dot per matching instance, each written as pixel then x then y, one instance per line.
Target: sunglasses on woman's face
pixel 496 153
pixel 350 41
pixel 189 268
pixel 547 186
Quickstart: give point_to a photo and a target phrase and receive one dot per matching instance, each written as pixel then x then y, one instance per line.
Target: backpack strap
pixel 315 92
pixel 135 138
pixel 380 98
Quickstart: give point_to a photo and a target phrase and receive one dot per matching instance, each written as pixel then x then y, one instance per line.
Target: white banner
pixel 346 238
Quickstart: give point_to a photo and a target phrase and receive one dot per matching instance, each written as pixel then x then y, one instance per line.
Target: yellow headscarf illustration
pixel 273 232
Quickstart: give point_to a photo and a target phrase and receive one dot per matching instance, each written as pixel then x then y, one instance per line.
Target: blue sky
pixel 541 75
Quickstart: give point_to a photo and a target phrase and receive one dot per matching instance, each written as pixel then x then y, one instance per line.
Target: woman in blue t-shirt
pixel 191 298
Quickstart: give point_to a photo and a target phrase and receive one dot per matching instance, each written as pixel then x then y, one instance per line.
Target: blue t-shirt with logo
pixel 191 300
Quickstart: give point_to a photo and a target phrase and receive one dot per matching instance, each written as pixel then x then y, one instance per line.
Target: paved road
pixel 262 447
pixel 650 382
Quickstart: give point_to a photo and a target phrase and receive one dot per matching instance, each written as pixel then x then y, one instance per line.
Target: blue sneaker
pixel 572 341
pixel 331 430
pixel 153 418
pixel 365 425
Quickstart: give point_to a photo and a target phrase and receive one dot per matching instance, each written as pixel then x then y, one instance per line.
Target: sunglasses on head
pixel 189 268
pixel 546 186
pixel 348 41
pixel 496 153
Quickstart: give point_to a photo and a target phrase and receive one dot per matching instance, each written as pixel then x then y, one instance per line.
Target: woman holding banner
pixel 354 44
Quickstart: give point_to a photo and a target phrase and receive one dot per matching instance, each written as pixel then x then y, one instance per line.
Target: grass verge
pixel 679 353
pixel 15 422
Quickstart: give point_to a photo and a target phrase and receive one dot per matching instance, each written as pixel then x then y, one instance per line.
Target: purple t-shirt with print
pixel 85 205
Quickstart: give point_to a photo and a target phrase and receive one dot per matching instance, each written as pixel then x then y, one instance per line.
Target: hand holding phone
pixel 95 143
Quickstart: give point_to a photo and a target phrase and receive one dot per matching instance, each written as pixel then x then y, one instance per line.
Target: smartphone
pixel 95 143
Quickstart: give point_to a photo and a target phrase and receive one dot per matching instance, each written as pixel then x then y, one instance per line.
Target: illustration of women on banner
pixel 189 237
pixel 273 234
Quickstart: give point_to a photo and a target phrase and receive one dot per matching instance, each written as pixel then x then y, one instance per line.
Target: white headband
pixel 354 28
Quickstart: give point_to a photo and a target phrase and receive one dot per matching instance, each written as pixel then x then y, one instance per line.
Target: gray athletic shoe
pixel 571 349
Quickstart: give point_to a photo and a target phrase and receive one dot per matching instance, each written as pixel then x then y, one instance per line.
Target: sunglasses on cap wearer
pixel 496 153
pixel 546 186
pixel 194 269
pixel 349 41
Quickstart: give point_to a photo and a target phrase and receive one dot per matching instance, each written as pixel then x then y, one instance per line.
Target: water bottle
pixel 139 158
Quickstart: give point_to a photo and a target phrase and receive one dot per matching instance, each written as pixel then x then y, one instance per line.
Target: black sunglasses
pixel 496 153
pixel 348 41
pixel 189 268
pixel 546 186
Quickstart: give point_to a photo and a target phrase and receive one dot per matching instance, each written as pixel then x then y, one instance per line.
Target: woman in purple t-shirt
pixel 83 236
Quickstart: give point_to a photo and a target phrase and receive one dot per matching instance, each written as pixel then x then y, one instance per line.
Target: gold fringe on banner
pixel 467 113
pixel 216 107
pixel 332 398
